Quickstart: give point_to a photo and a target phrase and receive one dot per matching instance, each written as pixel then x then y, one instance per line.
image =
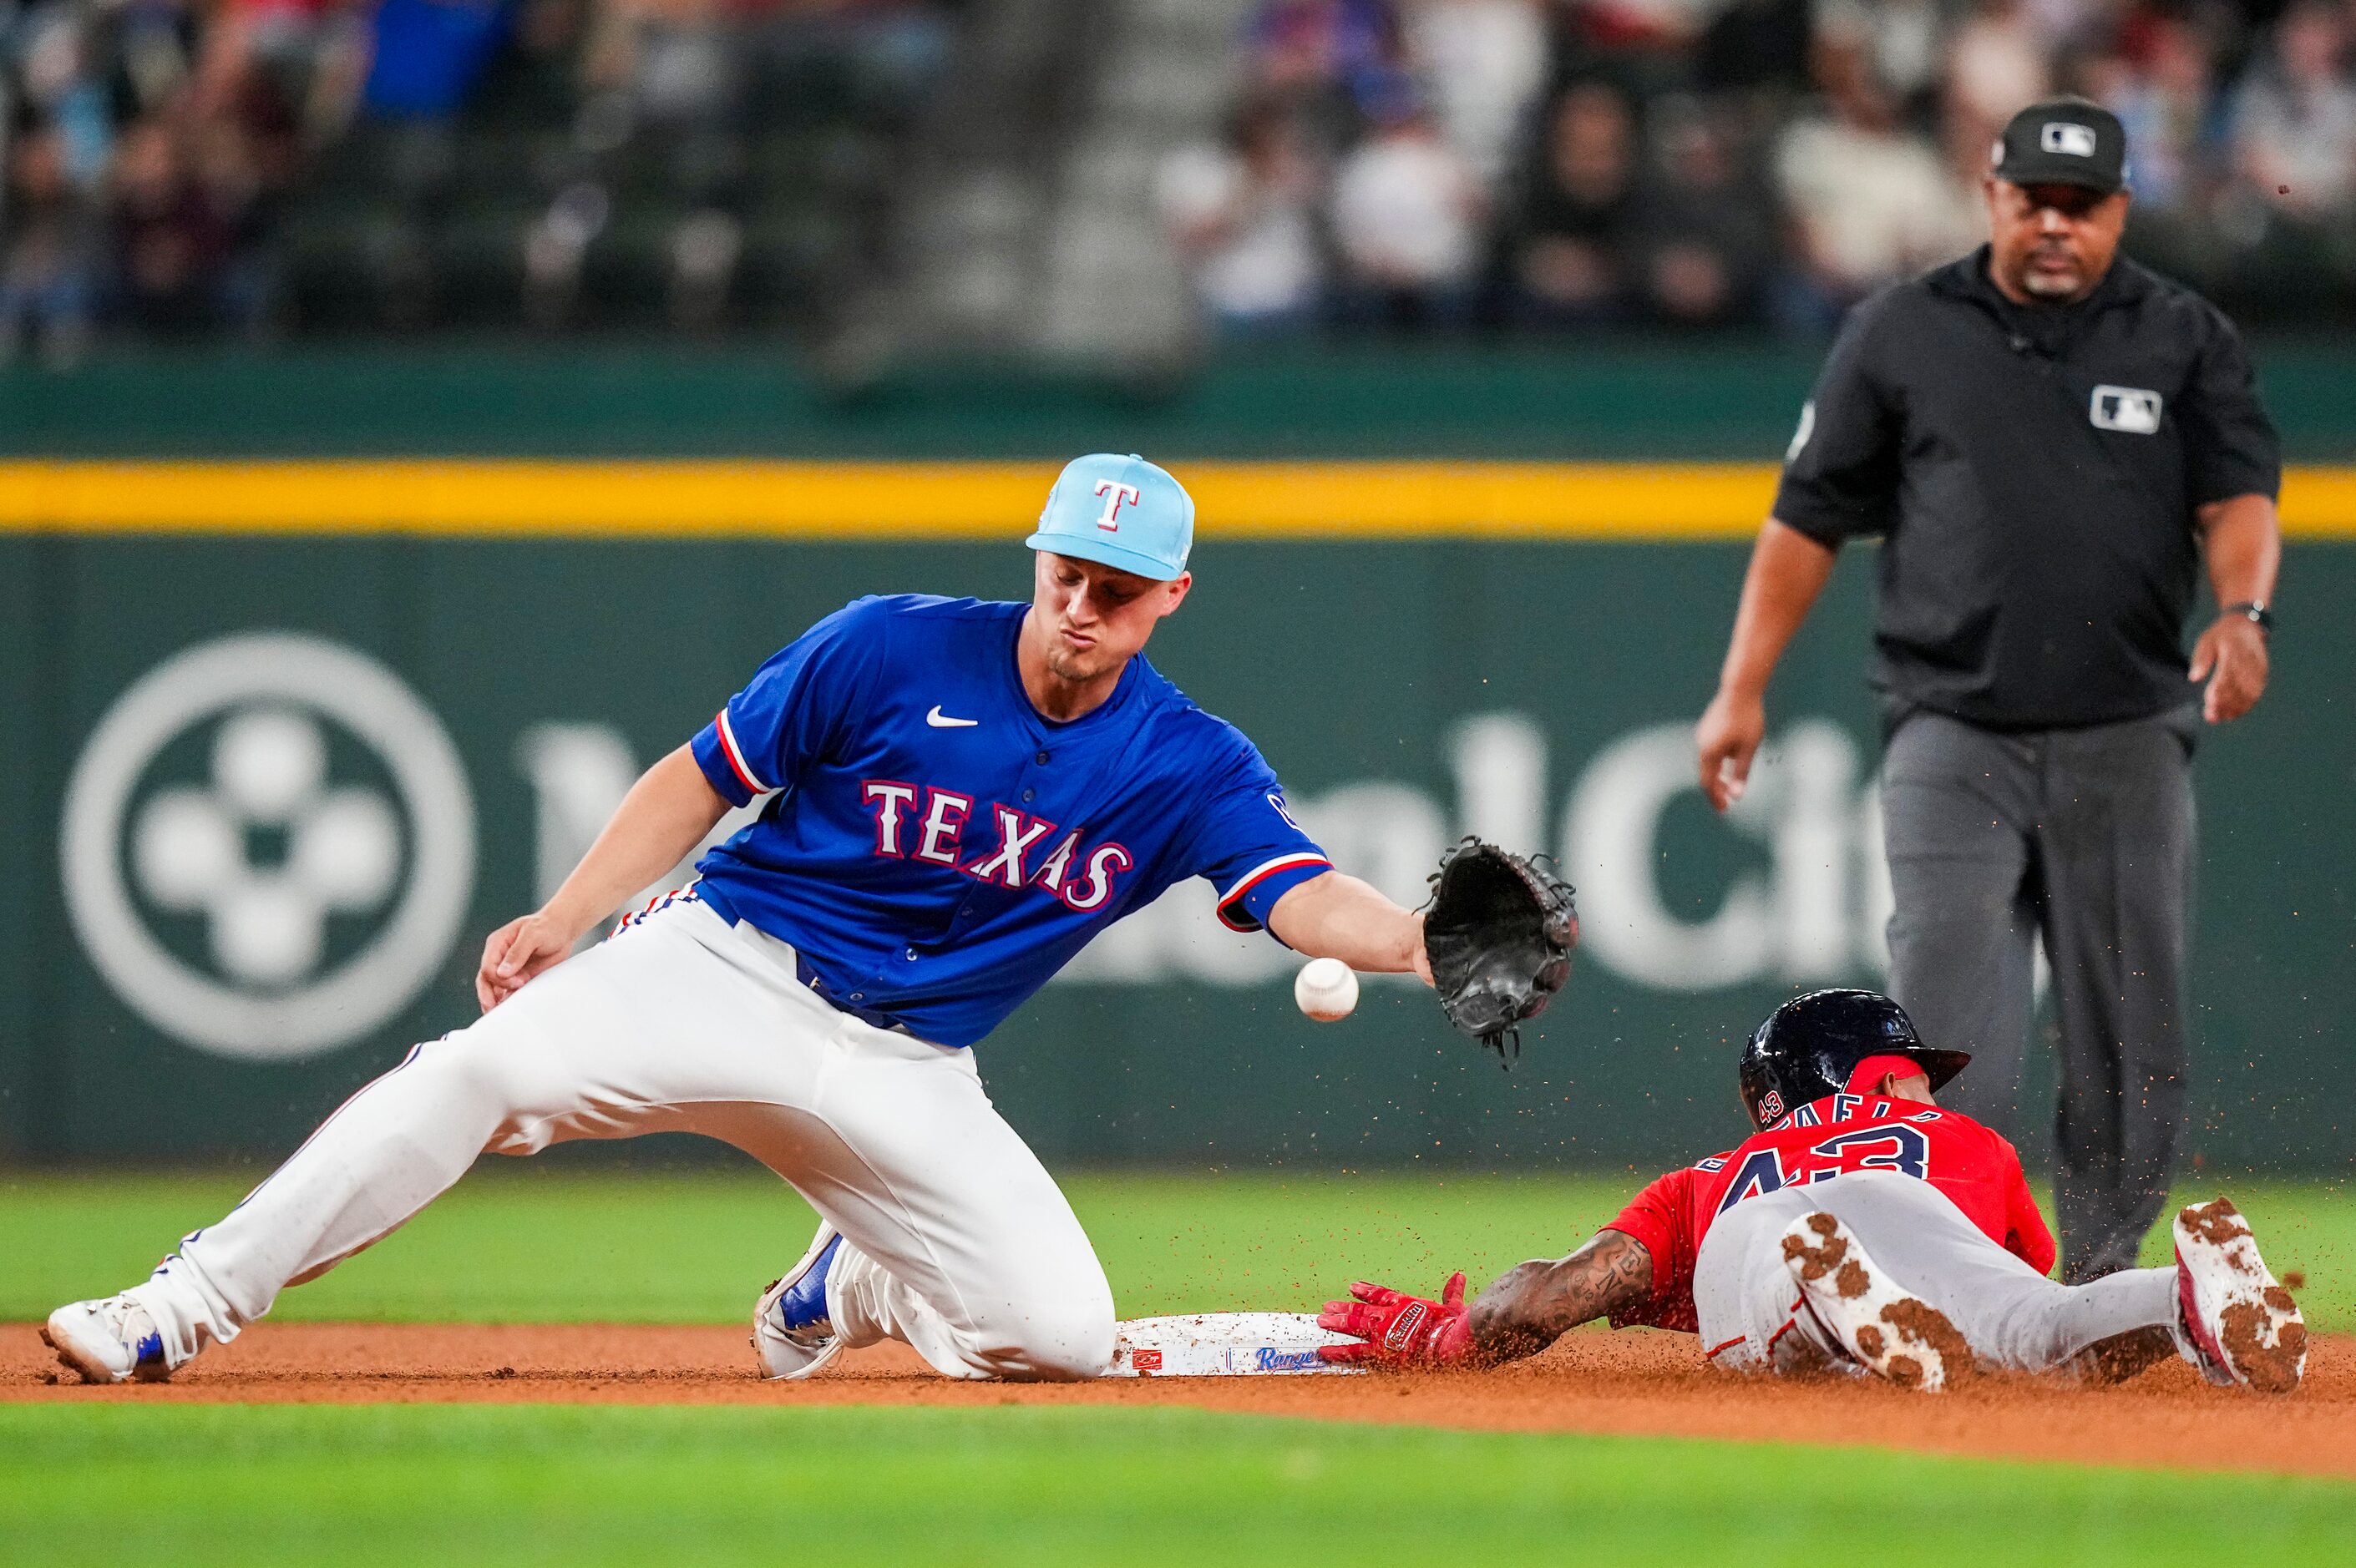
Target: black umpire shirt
pixel 2033 472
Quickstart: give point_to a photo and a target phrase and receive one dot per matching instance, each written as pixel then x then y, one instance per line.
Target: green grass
pixel 522 1244
pixel 586 1484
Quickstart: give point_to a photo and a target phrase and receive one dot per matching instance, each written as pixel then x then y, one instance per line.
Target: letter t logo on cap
pixel 1121 512
pixel 1114 492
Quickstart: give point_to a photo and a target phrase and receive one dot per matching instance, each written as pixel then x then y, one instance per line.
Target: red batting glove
pixel 1398 1329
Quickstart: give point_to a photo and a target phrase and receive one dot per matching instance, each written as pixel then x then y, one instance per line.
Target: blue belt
pixel 810 977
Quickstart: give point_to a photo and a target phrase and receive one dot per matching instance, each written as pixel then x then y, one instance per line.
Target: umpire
pixel 2049 441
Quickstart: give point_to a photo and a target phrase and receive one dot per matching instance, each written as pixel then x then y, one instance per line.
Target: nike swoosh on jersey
pixel 940 721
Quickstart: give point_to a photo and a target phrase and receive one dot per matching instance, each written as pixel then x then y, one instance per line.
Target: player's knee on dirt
pixel 1062 1341
pixel 1068 1352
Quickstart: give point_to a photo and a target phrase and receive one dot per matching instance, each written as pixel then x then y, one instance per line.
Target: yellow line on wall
pixel 2319 503
pixel 903 501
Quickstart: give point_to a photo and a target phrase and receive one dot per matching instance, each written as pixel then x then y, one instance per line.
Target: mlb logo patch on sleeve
pixel 2129 408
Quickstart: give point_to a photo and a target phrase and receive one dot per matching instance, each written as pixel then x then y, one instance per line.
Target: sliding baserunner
pixel 1863 1228
pixel 959 795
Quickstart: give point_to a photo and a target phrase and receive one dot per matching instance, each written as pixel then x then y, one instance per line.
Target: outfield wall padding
pixel 235 938
pixel 1582 397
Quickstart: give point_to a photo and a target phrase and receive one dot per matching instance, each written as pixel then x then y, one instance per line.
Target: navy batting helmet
pixel 1809 1047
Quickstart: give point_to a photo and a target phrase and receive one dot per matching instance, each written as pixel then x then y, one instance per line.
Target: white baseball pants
pixel 956 1240
pixel 2011 1315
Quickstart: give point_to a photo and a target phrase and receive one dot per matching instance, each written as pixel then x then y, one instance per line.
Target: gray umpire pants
pixel 2085 836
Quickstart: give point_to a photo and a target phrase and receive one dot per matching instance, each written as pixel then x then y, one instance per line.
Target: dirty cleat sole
pixel 1890 1333
pixel 2243 1325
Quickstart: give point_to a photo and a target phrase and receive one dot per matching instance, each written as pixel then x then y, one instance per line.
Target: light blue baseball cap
pixel 1119 511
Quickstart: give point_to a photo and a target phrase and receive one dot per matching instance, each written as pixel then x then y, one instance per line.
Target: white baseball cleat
pixel 1883 1328
pixel 2233 1319
pixel 112 1341
pixel 793 1331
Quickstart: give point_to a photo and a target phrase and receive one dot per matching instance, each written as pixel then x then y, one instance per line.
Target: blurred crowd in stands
pixel 244 167
pixel 223 168
pixel 1546 165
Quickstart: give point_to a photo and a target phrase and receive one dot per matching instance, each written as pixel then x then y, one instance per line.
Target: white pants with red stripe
pixel 1748 1305
pixel 956 1240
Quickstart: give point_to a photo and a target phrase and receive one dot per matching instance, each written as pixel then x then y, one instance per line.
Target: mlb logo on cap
pixel 2067 136
pixel 2064 141
pixel 1120 512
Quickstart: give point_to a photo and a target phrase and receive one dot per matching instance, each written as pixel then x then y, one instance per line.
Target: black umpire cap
pixel 2064 141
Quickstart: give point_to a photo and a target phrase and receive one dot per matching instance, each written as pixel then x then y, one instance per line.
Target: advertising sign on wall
pixel 270 793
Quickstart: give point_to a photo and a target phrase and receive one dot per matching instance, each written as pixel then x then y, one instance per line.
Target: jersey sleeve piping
pixel 1232 912
pixel 726 778
pixel 736 755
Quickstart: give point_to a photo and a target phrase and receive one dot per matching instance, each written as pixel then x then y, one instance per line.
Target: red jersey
pixel 1840 1133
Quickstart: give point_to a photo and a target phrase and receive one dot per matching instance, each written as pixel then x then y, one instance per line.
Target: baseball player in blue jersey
pixel 959 794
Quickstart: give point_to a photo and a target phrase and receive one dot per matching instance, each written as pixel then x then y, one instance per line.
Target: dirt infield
pixel 1634 1382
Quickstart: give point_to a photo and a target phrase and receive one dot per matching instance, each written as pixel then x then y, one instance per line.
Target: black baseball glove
pixel 1498 934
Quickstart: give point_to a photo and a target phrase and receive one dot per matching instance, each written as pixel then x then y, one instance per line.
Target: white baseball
pixel 1326 989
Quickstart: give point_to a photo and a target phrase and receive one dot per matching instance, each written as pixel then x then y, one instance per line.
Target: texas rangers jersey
pixel 1975 1168
pixel 934 848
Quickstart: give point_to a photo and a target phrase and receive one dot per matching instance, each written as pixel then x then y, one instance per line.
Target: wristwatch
pixel 2253 610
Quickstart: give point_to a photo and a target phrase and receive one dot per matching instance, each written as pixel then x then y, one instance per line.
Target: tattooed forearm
pixel 1535 1304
